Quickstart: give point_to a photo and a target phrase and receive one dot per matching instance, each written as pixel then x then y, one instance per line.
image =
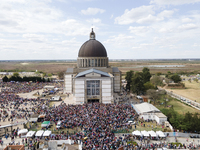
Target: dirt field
pixel 155 66
pixel 192 91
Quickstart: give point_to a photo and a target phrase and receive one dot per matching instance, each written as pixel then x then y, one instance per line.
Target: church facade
pixel 93 80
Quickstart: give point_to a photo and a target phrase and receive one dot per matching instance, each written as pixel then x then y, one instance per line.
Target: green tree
pixel 146 74
pixel 153 94
pixel 15 74
pixel 128 77
pixel 156 80
pixel 61 75
pixel 49 75
pixel 168 74
pixel 5 79
pixel 176 78
pixel 196 80
pixel 137 84
pixel 148 85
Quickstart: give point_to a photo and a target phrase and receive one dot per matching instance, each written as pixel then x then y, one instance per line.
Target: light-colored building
pixel 149 112
pixel 93 80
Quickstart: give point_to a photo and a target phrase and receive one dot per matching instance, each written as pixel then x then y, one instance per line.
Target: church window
pixel 95 62
pixel 93 87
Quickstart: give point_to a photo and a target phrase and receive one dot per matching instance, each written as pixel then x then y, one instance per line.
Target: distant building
pixel 93 80
pixel 149 112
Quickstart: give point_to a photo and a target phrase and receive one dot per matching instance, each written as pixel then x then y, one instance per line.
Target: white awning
pixel 152 133
pixel 136 133
pixel 23 131
pixel 39 133
pixel 30 134
pixel 47 133
pixel 145 133
pixel 160 134
pixel 33 119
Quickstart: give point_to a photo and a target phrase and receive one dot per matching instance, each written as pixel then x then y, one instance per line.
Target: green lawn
pixel 178 106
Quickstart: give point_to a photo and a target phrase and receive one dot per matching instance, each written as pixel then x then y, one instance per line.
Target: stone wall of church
pixel 117 82
pixel 68 83
pixel 79 91
pixel 107 92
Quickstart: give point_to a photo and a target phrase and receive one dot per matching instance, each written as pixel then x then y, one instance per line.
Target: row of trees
pixel 138 82
pixel 174 77
pixel 24 79
pixel 188 122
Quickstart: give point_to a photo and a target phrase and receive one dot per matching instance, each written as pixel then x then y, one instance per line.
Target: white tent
pixel 30 134
pixel 160 134
pixel 152 133
pixel 136 133
pixel 47 133
pixel 145 133
pixel 22 133
pixel 39 133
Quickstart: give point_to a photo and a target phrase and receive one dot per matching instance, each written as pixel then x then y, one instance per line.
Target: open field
pixel 179 107
pixel 192 91
pixel 154 65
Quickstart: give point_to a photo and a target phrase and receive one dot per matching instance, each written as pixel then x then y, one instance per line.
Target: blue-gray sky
pixel 129 29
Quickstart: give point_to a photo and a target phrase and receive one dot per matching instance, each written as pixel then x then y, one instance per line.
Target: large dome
pixel 92 48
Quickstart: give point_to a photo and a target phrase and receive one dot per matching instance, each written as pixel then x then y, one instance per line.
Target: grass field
pixel 178 106
pixel 192 91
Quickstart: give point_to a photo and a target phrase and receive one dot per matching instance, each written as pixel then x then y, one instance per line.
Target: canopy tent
pixel 33 119
pixel 152 133
pixel 23 131
pixel 145 133
pixel 136 133
pixel 160 134
pixel 47 133
pixel 39 133
pixel 30 134
pixel 45 124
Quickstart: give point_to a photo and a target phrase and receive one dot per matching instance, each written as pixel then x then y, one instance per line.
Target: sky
pixel 128 29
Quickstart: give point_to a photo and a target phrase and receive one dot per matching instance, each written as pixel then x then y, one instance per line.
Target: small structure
pixel 14 147
pixel 30 134
pixel 45 124
pixel 55 98
pixel 147 111
pixel 47 133
pixel 39 133
pixel 22 133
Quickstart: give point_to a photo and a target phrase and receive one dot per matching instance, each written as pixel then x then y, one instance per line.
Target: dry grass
pixel 124 66
pixel 192 91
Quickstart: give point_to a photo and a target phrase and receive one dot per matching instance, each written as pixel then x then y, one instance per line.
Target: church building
pixel 93 80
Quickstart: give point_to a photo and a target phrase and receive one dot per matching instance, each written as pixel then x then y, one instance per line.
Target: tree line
pixel 17 78
pixel 138 82
pixel 188 122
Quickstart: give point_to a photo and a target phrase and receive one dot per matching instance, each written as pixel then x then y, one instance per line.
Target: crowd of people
pixel 94 124
pixel 24 87
pixel 97 122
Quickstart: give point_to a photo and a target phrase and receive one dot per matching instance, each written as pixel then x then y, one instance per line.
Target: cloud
pixel 94 20
pixel 72 27
pixel 189 26
pixel 140 30
pixel 35 38
pixel 186 20
pixel 135 14
pixel 173 2
pixel 92 11
pixel 5 22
